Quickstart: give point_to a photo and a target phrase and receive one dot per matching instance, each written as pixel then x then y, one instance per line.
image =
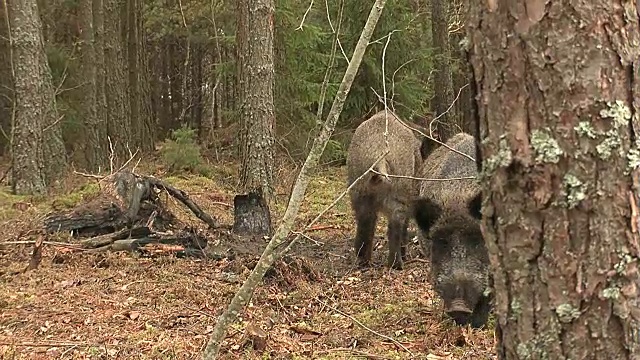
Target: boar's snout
pixel 459 312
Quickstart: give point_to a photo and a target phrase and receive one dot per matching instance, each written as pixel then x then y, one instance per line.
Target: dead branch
pixel 183 198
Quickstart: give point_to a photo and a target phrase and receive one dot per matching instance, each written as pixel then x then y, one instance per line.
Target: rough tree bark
pixel 442 78
pixel 6 80
pixel 257 101
pixel 274 249
pixel 132 65
pixel 95 151
pixel 559 100
pixel 118 122
pixel 38 151
pixel 147 123
pixel 101 96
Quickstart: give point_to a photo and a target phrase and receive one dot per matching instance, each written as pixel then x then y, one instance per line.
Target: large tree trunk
pixel 6 81
pixel 257 109
pixel 95 142
pixel 38 151
pixel 442 78
pixel 559 99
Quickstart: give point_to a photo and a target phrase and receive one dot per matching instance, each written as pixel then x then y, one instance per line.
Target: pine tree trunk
pixel 258 109
pixel 442 78
pixel 146 121
pixel 6 81
pixel 132 65
pixel 101 127
pixel 95 151
pixel 559 98
pixel 118 122
pixel 38 152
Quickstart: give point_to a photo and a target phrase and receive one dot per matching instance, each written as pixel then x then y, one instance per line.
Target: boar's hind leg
pixel 366 216
pixel 396 235
pixel 481 312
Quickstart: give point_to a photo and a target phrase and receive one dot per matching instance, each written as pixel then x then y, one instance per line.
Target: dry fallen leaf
pixel 134 315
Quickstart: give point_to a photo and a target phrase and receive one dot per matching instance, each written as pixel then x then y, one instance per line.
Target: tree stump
pixel 251 215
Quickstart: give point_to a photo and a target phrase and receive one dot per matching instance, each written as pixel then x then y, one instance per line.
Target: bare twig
pixel 450 106
pixel 304 17
pixel 30 242
pixel 396 342
pixel 422 179
pixel 428 136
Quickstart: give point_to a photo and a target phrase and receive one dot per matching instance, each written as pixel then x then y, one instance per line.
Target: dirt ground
pixel 313 305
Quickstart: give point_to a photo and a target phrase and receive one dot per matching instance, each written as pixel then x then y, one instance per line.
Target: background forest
pixel 142 73
pixel 157 85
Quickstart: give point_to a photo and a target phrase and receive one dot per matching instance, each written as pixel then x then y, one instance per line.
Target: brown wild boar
pixel 376 193
pixel 448 216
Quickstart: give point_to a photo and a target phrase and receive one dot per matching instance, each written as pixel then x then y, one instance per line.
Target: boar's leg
pixel 481 312
pixel 396 235
pixel 366 215
pixel 405 240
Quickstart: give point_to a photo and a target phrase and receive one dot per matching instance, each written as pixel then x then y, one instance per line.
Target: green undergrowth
pixel 325 186
pixel 14 206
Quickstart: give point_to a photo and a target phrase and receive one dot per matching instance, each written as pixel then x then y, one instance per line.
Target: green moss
pixel 547 148
pixel 75 197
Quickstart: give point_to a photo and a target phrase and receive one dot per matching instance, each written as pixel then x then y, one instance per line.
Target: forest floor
pixel 314 305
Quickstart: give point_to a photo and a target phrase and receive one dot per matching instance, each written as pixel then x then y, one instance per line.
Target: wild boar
pixel 376 192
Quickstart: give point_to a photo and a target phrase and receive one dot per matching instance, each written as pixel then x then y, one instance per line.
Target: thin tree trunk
pixel 258 117
pixel 146 119
pixel 6 80
pixel 119 124
pixel 137 123
pixel 442 79
pixel 96 154
pixel 559 88
pixel 271 254
pixel 101 129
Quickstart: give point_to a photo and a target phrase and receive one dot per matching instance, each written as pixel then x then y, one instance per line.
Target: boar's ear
pixel 425 212
pixel 475 206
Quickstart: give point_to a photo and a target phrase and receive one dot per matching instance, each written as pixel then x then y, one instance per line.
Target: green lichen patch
pixel 547 148
pixel 584 128
pixel 633 158
pixel 502 158
pixel 612 292
pixel 618 111
pixel 567 313
pixel 574 189
pixel 611 142
pixel 625 259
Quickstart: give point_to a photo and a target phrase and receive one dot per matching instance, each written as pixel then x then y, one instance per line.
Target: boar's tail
pixel 380 175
